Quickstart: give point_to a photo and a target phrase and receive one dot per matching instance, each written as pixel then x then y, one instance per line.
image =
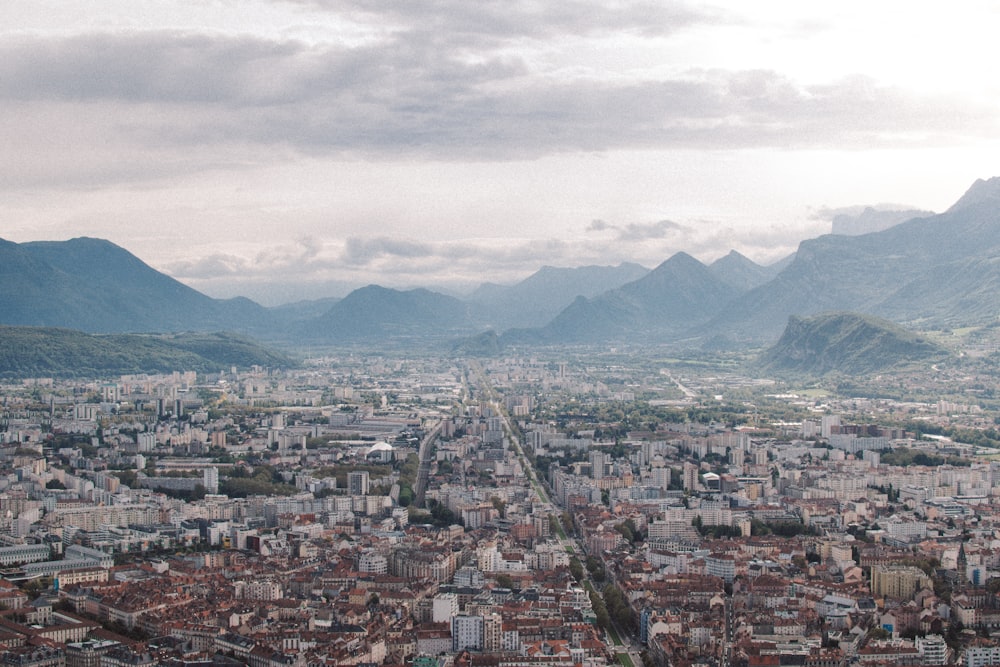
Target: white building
pixel 467 633
pixel 444 607
pixel 932 649
pixel 373 563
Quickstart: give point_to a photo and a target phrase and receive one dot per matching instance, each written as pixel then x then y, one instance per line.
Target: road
pixel 626 654
pixel 424 469
pixel 688 393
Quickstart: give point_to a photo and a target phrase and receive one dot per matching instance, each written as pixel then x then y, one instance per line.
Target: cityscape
pixel 583 509
pixel 438 333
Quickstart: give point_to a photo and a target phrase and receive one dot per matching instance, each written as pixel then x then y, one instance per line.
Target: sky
pixel 296 149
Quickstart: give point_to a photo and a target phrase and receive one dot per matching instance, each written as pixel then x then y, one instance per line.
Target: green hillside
pixel 846 343
pixel 50 352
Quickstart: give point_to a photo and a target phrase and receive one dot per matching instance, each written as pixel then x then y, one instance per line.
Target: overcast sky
pixel 290 149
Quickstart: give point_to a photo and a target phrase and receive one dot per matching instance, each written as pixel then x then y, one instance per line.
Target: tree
pixel 34 587
pixel 618 608
pixel 878 633
pixel 499 505
pixel 627 529
pixel 596 569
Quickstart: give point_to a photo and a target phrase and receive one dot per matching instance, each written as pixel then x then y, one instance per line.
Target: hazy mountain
pixel 376 313
pixel 539 297
pixel 780 265
pixel 301 311
pixel 938 270
pixel 671 298
pixel 846 343
pixel 872 220
pixel 740 272
pixel 982 193
pixel 96 286
pixel 38 351
pixel 486 344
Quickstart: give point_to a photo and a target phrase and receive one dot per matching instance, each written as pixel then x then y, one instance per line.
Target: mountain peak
pixel 677 261
pixel 981 192
pixel 739 271
pixel 732 257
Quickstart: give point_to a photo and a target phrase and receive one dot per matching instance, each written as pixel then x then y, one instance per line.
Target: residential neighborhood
pixel 378 511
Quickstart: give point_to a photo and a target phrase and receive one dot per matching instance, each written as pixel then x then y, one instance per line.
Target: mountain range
pixel 927 271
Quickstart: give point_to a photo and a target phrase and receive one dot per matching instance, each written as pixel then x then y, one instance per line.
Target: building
pixel 933 649
pixel 358 483
pixel 210 479
pixel 374 563
pixel 467 633
pixel 981 656
pixel 444 607
pixel 24 553
pixel 34 656
pixel 266 591
pixel 898 582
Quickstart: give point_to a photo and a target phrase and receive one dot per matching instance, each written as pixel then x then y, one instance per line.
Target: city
pixel 582 510
pixel 603 333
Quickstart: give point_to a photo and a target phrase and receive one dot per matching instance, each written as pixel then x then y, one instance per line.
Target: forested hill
pixel 49 352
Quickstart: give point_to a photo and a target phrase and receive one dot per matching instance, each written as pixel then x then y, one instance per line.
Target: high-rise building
pixel 829 424
pixel 210 479
pixel 492 632
pixel 467 633
pixel 357 482
pixel 690 476
pixel 598 464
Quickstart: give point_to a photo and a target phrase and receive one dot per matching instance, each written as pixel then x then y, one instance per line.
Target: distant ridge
pixel 741 273
pixel 51 352
pixel 95 286
pixel 663 303
pixel 981 193
pixel 872 220
pixel 846 343
pixel 886 274
pixel 926 272
pixel 377 313
pixel 538 298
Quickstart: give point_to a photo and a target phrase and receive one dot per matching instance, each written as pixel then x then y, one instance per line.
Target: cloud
pixel 491 22
pixel 361 252
pixel 829 213
pixel 655 230
pixel 638 231
pixel 302 253
pixel 598 226
pixel 198 100
pixel 299 257
pixel 210 266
